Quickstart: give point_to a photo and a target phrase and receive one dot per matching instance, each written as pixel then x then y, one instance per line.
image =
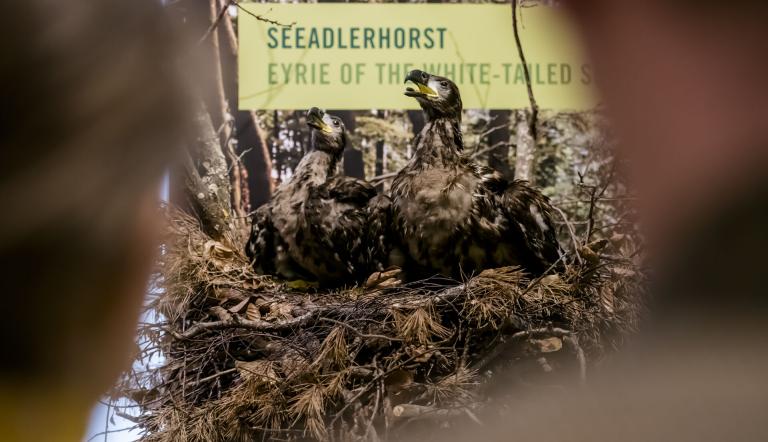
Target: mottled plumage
pixel 316 225
pixel 454 217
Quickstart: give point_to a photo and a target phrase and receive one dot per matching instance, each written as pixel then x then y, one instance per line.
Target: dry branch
pixel 235 322
pixel 411 411
pixel 526 72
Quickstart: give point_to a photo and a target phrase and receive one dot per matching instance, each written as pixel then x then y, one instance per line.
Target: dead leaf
pixel 216 250
pixel 280 311
pixel 607 298
pixel 387 278
pixel 220 313
pixel 239 306
pixel 589 255
pixel 598 245
pixel 252 312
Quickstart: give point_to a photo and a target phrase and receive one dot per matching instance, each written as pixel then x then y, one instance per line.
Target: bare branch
pixel 531 98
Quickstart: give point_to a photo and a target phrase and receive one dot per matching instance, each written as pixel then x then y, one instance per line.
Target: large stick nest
pixel 227 355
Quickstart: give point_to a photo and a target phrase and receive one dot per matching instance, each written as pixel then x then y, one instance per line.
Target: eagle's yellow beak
pixel 421 89
pixel 315 119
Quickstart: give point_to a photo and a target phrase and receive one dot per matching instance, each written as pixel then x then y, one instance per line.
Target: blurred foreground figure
pixel 685 84
pixel 90 114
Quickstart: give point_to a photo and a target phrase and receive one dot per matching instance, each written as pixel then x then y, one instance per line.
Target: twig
pixel 222 12
pixel 236 322
pixel 105 433
pixel 214 24
pixel 413 411
pixel 531 98
pixel 374 412
pixel 535 282
pixel 489 149
pixel 213 376
pixel 261 17
pixel 106 420
pixel 357 332
pixel 127 417
pixel 593 198
pixel 591 214
pixel 383 177
pixel 571 232
pixel 364 389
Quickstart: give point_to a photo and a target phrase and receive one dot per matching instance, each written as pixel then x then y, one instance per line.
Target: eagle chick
pixel 315 226
pixel 454 217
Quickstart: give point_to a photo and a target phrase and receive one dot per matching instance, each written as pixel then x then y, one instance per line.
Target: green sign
pixel 356 55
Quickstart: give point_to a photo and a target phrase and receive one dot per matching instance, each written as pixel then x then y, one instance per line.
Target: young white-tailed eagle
pixel 316 225
pixel 453 217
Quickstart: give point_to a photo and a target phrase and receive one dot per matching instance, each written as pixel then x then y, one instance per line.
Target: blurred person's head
pixel 684 82
pixel 91 114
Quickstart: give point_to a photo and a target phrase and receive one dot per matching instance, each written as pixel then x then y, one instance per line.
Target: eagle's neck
pixel 439 143
pixel 315 168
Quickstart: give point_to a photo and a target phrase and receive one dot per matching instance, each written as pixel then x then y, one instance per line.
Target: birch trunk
pixel 525 155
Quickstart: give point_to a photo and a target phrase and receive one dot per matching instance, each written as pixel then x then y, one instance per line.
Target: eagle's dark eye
pixel 336 122
pixel 444 83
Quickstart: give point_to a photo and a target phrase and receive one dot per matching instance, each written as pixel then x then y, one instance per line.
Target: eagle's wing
pixel 335 219
pixel 379 236
pixel 350 190
pixel 261 243
pixel 529 216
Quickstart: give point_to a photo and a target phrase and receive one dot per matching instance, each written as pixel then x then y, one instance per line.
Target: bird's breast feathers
pixel 434 208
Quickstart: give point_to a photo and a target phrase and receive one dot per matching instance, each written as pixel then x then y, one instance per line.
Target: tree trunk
pixel 194 19
pixel 225 67
pixel 256 175
pixel 353 158
pixel 207 178
pixel 256 159
pixel 525 155
pixel 498 158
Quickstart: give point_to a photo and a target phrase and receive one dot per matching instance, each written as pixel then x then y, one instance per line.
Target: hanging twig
pixel 261 17
pixel 226 6
pixel 531 98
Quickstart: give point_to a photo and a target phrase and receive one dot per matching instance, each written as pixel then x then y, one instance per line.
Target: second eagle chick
pixel 315 226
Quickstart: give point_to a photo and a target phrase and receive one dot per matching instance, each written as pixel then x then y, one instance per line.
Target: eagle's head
pixel 328 131
pixel 438 96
